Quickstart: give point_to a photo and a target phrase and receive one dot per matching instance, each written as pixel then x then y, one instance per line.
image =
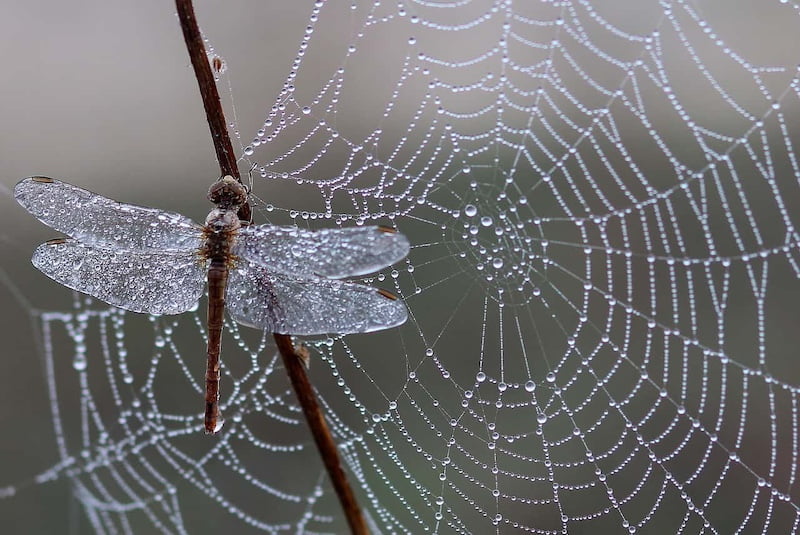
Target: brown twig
pixel 293 358
pixel 208 90
pixel 294 362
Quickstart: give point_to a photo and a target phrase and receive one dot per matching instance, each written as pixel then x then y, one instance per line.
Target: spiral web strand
pixel 601 199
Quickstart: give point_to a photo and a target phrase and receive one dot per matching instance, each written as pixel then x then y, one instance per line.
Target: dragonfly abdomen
pixel 217 280
pixel 220 232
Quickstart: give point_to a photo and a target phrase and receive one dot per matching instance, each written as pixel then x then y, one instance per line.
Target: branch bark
pixel 293 358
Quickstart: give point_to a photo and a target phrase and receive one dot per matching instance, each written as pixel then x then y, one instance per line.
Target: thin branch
pixel 208 89
pixel 293 359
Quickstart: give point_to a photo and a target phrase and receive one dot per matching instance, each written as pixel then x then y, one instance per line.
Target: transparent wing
pixel 99 221
pixel 334 253
pixel 284 304
pixel 154 283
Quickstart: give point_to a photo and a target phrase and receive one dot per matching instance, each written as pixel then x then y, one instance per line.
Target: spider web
pixel 601 200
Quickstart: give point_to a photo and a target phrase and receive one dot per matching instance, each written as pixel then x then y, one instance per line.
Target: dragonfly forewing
pixel 333 253
pixel 149 282
pixel 102 222
pixel 288 304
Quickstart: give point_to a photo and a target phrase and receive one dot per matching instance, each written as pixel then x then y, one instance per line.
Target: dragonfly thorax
pixel 220 220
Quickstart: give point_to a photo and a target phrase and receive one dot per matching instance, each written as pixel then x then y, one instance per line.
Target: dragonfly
pixel 281 279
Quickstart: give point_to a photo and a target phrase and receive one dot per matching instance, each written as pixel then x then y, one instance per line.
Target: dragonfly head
pixel 227 193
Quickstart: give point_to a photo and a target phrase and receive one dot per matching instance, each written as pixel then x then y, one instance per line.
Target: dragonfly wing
pixel 282 303
pixel 101 222
pixel 333 253
pixel 149 282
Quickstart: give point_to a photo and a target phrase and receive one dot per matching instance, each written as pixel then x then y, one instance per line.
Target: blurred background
pixel 686 118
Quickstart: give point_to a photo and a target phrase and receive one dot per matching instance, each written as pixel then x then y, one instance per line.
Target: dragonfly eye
pixel 227 193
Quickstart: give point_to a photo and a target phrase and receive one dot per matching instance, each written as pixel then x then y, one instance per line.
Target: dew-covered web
pixel 601 199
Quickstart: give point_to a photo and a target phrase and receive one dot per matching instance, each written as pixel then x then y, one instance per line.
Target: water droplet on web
pixel 497 263
pixel 486 221
pixel 480 377
pixel 530 386
pixel 541 418
pixel 470 210
pixel 248 150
